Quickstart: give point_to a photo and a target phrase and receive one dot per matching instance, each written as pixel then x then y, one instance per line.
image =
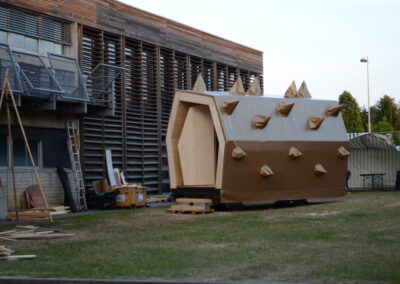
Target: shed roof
pixel 372 141
pixel 294 127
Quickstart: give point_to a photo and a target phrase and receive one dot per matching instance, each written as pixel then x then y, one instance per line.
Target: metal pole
pixel 369 107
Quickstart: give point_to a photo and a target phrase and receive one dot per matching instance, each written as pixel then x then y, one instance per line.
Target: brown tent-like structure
pixel 250 148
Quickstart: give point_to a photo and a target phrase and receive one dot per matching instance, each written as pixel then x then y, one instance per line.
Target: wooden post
pixel 11 155
pixel 6 84
pixel 3 90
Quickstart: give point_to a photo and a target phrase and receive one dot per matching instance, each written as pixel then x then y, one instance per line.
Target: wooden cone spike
pixel 237 87
pixel 319 170
pixel 266 171
pixel 303 91
pixel 260 121
pixel 284 109
pixel 315 122
pixel 199 85
pixel 255 88
pixel 294 153
pixel 229 106
pixel 334 111
pixel 238 153
pixel 342 152
pixel 291 91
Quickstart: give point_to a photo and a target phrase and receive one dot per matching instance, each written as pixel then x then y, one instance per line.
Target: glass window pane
pixel 34 145
pixel 31 44
pixel 46 46
pixel 19 153
pixel 3 151
pixel 3 37
pixel 57 48
pixel 21 156
pixel 16 40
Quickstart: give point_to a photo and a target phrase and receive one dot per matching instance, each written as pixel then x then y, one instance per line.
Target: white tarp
pixel 373 153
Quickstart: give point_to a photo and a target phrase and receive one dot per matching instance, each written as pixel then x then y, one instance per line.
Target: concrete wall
pixel 25 177
pixel 45 119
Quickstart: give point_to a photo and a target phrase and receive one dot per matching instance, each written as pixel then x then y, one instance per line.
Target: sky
pixel 320 42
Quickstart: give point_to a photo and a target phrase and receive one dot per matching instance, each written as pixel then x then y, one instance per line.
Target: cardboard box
pixel 124 198
pixel 140 197
pixel 130 196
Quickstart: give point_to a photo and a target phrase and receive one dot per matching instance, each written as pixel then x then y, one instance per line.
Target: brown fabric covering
pixel 294 153
pixel 199 85
pixel 255 88
pixel 319 170
pixel 238 153
pixel 342 152
pixel 315 122
pixel 237 87
pixel 266 171
pixel 260 121
pixel 284 109
pixel 303 91
pixel 291 91
pixel 334 111
pixel 229 106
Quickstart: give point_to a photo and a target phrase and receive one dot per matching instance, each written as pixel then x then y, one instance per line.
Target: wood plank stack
pixel 191 206
pixel 38 213
pixel 31 233
pixel 6 254
pixel 157 198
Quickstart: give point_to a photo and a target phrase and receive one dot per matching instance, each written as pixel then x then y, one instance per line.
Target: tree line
pixel 385 114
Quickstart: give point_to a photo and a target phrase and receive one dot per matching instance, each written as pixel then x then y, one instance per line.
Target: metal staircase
pixel 73 149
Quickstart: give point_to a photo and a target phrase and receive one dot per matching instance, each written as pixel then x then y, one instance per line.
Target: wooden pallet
pixel 191 206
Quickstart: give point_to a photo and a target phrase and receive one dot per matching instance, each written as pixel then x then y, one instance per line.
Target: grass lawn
pixel 356 240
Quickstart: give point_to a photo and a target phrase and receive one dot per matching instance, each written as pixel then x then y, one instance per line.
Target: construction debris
pixel 31 233
pixel 5 254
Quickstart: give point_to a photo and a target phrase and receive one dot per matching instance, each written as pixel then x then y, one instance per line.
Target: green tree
pixel 374 116
pixel 382 126
pixel 387 108
pixel 351 113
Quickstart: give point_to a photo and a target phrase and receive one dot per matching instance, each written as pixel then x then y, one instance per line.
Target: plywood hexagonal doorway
pixel 197 148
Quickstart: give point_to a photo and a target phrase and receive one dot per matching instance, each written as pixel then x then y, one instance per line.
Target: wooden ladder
pixel 73 149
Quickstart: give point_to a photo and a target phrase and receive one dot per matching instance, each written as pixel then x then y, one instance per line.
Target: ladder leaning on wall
pixel 73 149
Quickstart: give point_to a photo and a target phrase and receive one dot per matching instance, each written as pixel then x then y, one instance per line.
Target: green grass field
pixel 356 240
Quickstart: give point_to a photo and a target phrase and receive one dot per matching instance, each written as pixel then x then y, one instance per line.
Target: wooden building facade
pixel 158 56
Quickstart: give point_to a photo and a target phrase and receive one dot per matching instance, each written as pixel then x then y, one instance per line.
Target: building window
pixel 25 43
pixel 20 153
pixel 3 151
pixel 21 156
pixel 35 25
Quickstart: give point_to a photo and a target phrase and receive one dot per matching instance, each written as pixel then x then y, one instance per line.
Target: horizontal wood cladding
pixel 122 19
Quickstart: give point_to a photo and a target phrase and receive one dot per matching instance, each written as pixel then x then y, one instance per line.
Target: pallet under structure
pixel 191 206
pixel 251 148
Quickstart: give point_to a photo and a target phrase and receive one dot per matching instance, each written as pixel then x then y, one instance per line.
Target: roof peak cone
pixel 199 85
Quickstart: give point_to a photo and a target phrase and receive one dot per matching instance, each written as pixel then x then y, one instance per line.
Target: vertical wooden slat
pixel 136 133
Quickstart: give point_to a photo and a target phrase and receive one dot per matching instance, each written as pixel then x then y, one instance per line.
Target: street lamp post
pixel 365 60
